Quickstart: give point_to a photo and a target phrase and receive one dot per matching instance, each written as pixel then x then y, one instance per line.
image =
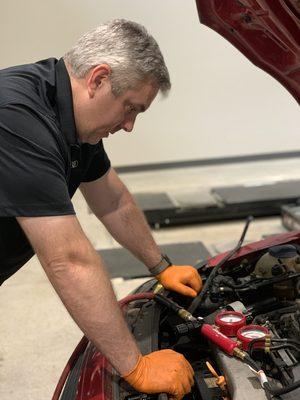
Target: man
pixel 53 116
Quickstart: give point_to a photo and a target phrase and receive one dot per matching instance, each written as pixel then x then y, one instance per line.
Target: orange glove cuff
pixel 130 376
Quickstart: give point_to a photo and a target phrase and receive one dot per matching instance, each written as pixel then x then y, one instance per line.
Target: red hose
pixel 133 297
pixel 80 348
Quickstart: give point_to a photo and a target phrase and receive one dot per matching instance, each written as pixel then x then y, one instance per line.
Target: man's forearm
pixel 85 289
pixel 129 227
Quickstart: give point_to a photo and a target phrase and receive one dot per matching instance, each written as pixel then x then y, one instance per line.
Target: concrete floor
pixel 36 333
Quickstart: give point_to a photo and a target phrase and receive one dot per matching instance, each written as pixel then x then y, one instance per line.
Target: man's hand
pixel 183 279
pixel 163 371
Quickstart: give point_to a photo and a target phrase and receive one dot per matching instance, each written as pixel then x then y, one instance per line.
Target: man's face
pixel 98 112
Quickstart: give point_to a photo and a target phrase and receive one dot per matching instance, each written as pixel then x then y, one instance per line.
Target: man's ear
pixel 96 77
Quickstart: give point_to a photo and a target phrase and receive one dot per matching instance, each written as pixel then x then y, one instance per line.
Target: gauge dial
pixel 229 322
pixel 231 318
pixel 254 334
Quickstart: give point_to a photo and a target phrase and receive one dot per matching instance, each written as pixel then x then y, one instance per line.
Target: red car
pixel 249 306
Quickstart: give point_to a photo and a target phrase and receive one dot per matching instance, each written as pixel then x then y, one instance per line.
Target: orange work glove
pixel 183 279
pixel 163 371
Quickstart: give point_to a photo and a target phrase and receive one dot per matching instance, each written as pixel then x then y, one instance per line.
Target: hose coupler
pixel 186 316
pixel 239 353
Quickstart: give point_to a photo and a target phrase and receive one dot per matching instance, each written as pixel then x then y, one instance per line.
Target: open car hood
pixel 267 32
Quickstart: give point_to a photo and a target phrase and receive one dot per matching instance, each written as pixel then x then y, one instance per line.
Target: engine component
pixel 229 322
pixel 220 380
pixel 206 384
pixel 241 383
pixel 261 291
pixel 197 300
pixel 278 260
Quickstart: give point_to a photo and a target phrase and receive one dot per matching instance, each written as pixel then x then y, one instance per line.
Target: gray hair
pixel 131 52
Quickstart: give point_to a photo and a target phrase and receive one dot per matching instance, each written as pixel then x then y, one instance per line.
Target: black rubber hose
pixel 253 342
pixel 282 344
pixel 280 391
pixel 248 360
pixel 197 300
pixel 167 302
pixel 243 285
pixel 267 386
pixel 267 282
pixel 270 391
pixel 290 341
pixel 285 346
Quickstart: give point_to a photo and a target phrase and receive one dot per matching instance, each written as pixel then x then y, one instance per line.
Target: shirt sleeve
pixel 32 167
pixel 99 164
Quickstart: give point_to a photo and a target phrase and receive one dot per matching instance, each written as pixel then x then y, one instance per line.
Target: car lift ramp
pixel 220 203
pixel 290 216
pixel 121 263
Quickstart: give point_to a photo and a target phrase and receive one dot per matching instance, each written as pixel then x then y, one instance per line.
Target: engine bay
pixel 253 302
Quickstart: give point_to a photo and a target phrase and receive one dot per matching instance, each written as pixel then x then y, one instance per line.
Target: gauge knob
pixel 250 332
pixel 229 322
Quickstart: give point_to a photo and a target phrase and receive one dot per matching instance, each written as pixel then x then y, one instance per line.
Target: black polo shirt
pixel 41 160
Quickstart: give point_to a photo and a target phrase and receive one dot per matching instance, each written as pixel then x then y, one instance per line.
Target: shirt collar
pixel 65 103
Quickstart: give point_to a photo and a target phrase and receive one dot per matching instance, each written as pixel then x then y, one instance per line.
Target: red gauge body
pixel 229 322
pixel 225 343
pixel 250 332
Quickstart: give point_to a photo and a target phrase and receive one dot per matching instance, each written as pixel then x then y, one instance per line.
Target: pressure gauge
pixel 229 322
pixel 250 332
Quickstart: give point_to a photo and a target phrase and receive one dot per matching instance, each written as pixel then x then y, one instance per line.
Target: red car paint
pixel 95 381
pixel 253 250
pixel 267 32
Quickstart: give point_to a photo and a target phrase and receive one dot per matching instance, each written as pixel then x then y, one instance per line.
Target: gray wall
pixel 220 104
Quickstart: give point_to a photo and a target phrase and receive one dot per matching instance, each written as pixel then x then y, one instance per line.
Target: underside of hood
pixel 267 32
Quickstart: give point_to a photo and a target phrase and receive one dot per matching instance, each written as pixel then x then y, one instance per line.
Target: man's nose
pixel 128 124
